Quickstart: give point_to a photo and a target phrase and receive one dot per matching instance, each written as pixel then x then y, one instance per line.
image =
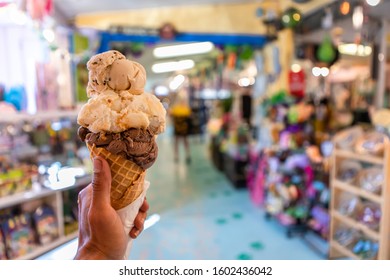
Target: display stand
pixel 234 170
pixel 381 235
pixel 57 223
pixel 53 197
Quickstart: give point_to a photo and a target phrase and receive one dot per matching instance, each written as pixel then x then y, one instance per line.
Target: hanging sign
pixel 296 81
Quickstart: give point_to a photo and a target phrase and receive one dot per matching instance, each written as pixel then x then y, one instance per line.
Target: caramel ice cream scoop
pixel 127 75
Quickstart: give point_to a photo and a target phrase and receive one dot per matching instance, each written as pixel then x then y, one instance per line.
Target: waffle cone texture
pixel 127 177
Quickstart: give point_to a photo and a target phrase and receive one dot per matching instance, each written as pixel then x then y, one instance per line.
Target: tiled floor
pixel 195 213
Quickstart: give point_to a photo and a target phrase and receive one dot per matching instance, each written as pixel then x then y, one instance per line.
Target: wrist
pixel 88 252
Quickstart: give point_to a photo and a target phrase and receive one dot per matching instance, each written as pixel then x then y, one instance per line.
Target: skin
pixel 101 235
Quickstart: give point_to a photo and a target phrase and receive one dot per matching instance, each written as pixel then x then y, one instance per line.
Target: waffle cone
pixel 127 177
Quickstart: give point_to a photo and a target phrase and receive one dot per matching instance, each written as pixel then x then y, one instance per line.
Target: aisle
pixel 195 213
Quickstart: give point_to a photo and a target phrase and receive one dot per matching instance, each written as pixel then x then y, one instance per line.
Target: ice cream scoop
pixel 137 145
pixel 115 112
pixel 127 75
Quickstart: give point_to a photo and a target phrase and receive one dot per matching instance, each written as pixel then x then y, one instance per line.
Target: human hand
pixel 101 234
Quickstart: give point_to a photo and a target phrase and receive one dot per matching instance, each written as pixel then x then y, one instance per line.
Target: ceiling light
pixel 173 66
pixel 355 49
pixel 176 82
pixel 296 68
pixel 324 71
pixel 373 2
pixel 161 90
pixel 245 82
pixel 358 17
pixel 345 7
pixel 183 49
pixel 316 71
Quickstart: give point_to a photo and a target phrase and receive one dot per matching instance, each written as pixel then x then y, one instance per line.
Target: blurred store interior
pixel 287 122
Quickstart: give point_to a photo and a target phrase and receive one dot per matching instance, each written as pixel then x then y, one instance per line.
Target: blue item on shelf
pixel 358 246
pixel 17 97
pixel 45 224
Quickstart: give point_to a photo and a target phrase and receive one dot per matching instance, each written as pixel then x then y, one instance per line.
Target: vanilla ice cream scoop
pixel 117 99
pixel 112 112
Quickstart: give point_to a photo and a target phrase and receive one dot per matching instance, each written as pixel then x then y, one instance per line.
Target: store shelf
pixel 342 250
pixel 356 225
pixel 43 249
pixel 49 115
pixel 57 201
pixel 380 235
pixel 38 192
pixel 22 197
pixel 360 157
pixel 357 191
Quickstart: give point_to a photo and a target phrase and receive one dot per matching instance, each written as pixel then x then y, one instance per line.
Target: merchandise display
pixel 71 211
pixel 19 235
pixel 120 122
pixel 360 190
pixel 230 145
pixel 291 173
pixel 3 252
pixel 46 224
pixel 42 161
pixel 17 178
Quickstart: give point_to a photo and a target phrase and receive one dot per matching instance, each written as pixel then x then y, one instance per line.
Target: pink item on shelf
pixel 6 108
pixel 286 219
pixel 256 190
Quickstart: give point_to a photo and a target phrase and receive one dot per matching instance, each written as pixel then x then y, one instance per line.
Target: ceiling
pixel 67 10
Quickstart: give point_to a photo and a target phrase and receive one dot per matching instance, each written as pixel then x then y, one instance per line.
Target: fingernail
pixel 97 165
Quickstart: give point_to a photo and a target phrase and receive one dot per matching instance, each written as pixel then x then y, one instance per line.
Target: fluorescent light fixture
pixel 161 90
pixel 317 71
pixel 209 93
pixel 245 82
pixel 183 49
pixel 172 66
pixel 358 17
pixel 176 82
pixel 224 93
pixel 325 71
pixel 355 49
pixel 373 2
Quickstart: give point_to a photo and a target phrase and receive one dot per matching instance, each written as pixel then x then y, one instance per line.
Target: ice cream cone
pixel 127 177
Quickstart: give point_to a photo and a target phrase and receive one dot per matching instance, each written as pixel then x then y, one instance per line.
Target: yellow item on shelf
pixel 180 111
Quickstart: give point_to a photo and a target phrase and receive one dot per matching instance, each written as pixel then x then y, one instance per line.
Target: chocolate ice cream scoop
pixel 137 145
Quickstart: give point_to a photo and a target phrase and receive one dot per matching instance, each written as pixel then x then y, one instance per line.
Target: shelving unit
pixel 55 198
pixel 337 250
pixel 41 116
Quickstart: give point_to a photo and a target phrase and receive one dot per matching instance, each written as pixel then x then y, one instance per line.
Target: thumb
pixel 101 183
